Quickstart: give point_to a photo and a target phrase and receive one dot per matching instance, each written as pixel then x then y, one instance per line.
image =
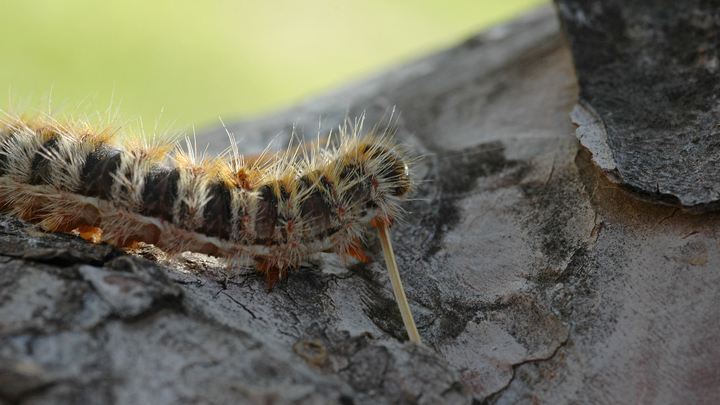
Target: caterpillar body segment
pixel 68 176
pixel 273 214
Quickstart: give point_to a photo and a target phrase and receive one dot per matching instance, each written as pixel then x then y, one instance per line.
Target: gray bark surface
pixel 650 73
pixel 532 278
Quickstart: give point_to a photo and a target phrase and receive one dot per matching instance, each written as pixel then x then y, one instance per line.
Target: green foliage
pixel 198 60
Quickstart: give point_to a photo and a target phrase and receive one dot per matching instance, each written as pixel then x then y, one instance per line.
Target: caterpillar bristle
pixel 274 211
pixel 397 287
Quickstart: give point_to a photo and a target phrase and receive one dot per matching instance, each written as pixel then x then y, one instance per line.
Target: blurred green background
pixel 197 60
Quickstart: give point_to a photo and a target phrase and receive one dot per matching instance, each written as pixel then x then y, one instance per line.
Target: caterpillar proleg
pixel 68 176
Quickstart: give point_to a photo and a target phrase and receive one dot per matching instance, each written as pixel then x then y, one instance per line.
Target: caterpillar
pixel 68 176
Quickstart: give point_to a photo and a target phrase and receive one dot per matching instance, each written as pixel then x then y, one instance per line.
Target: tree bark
pixel 532 277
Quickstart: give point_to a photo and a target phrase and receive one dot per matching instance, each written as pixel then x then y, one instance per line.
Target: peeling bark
pixel 650 73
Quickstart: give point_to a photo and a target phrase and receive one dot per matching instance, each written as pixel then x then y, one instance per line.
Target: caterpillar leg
pixel 379 221
pixel 355 251
pixel 273 272
pixel 90 233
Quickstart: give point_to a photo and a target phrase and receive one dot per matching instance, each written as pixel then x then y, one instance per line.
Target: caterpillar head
pixel 391 173
pixel 389 177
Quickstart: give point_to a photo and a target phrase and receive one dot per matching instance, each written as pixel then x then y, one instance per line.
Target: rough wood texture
pixel 650 73
pixel 533 279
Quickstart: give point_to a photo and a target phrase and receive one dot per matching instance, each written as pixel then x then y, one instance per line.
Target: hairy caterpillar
pixel 69 176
